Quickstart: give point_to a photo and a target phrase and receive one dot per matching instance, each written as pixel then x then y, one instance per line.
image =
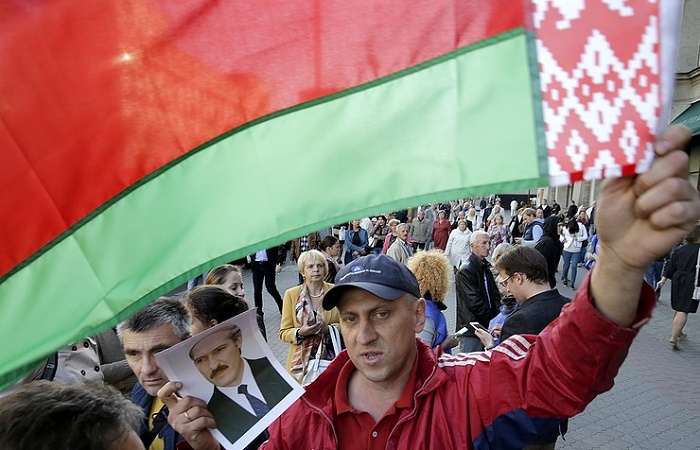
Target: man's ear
pixel 420 314
pixel 213 322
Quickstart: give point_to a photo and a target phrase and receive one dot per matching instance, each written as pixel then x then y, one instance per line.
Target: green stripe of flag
pixel 457 126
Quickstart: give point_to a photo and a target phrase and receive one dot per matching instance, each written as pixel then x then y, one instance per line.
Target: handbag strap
pixel 697 268
pixel 316 361
pixel 335 338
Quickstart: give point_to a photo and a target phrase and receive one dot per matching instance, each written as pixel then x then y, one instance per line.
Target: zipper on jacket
pixel 323 414
pixel 415 403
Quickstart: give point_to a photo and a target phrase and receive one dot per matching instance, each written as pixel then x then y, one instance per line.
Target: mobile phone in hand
pixel 461 332
pixel 478 326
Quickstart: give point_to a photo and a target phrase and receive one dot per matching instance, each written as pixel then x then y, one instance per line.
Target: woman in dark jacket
pixel 356 242
pixel 681 269
pixel 550 247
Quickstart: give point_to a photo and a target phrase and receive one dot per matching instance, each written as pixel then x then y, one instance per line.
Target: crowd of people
pixel 382 282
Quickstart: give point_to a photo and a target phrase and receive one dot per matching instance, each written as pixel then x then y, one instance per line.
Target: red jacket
pixel 497 399
pixel 441 233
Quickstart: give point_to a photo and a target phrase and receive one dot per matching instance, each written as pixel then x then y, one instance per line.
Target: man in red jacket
pixel 391 391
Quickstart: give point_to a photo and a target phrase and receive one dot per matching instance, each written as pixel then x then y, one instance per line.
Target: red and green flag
pixel 144 141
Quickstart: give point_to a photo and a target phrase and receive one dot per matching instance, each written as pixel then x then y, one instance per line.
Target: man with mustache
pixel 246 389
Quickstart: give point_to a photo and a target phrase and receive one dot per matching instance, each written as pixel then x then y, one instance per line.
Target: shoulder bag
pixel 317 365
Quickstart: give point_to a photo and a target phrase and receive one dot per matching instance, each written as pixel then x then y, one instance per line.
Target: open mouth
pixel 371 357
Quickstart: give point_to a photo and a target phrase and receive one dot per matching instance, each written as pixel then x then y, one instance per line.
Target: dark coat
pixel 546 211
pixel 550 247
pixel 231 419
pixel 534 314
pixel 473 303
pixel 680 268
pixel 514 226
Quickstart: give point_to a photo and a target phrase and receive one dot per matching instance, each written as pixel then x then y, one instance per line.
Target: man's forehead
pixel 356 299
pixel 162 336
pixel 210 342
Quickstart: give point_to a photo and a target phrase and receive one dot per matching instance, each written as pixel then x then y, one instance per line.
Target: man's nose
pixel 149 365
pixel 366 334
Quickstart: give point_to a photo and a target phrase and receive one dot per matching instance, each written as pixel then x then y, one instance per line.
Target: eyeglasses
pixel 504 282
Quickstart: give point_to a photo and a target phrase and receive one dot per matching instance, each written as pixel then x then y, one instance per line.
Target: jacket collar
pixel 483 263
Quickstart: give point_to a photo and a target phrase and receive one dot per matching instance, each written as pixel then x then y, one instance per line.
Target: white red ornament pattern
pixel 600 85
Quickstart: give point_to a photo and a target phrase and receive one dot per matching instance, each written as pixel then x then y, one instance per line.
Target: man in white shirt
pixel 246 389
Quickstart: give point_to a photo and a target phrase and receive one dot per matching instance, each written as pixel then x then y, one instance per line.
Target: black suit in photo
pixel 231 419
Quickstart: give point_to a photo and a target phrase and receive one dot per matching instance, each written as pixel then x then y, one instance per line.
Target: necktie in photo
pixel 258 405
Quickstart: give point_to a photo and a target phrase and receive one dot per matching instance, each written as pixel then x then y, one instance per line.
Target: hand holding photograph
pixel 231 367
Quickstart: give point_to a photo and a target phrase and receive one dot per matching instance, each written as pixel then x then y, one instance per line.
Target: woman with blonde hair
pixel 304 322
pixel 228 276
pixel 432 270
pixel 498 231
pixel 207 307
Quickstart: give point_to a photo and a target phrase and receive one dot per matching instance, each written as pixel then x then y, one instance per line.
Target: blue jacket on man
pixel 140 398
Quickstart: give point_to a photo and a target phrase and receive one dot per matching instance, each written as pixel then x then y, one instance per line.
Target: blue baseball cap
pixel 378 274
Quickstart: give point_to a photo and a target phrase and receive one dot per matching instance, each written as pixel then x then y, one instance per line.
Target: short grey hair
pixel 45 414
pixel 475 235
pixel 164 311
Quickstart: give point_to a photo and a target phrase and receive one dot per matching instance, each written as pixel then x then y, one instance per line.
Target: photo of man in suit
pixel 246 389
